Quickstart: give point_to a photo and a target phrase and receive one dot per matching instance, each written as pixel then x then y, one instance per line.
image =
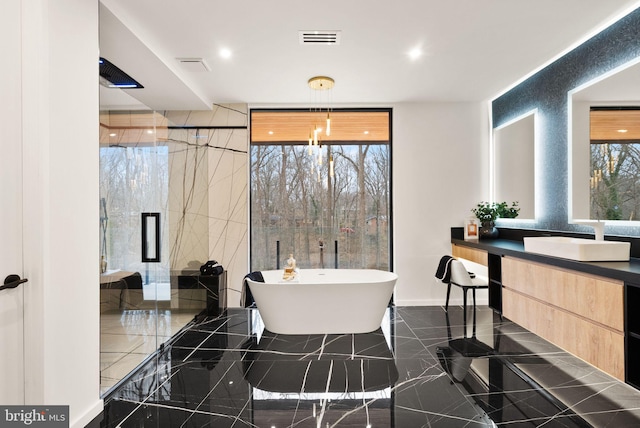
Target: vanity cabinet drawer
pixel 471 254
pixel 581 313
pixel 597 299
pixel 597 345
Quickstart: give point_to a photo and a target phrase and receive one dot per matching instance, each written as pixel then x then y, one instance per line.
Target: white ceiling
pixel 617 88
pixel 472 49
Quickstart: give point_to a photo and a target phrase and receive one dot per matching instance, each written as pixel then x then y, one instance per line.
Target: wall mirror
pixel 604 153
pixel 514 163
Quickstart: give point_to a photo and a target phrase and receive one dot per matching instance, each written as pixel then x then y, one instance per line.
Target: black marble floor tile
pixel 422 368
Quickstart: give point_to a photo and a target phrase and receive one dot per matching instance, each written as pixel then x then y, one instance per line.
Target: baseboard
pixel 88 416
pixel 439 302
pixel 419 302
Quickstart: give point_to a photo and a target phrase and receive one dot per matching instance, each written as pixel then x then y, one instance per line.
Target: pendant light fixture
pixel 321 87
pixel 320 84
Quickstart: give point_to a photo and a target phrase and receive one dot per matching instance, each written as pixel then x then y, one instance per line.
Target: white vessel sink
pixel 584 250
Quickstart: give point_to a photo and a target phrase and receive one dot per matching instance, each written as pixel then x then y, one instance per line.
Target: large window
pixel 327 204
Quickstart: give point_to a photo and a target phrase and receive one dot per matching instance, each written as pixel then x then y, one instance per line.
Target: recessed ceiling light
pixel 112 134
pixel 622 131
pixel 225 53
pixel 149 131
pixel 415 53
pixel 270 132
pixel 366 132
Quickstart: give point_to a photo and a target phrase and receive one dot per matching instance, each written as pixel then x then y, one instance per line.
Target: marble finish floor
pixel 127 337
pixel 422 368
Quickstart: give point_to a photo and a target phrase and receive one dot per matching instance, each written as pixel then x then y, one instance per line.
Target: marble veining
pixel 422 368
pixel 208 197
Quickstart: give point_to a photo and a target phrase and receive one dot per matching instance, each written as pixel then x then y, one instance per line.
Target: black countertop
pixel 624 271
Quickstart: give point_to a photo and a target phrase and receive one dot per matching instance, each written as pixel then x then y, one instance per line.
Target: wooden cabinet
pixel 471 254
pixel 581 313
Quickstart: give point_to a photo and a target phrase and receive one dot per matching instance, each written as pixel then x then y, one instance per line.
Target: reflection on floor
pixel 421 369
pixel 127 337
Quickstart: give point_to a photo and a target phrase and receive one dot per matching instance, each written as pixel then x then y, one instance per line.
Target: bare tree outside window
pixel 615 181
pixel 296 201
pixel 133 179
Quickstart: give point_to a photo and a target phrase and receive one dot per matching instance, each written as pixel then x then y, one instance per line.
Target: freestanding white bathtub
pixel 323 301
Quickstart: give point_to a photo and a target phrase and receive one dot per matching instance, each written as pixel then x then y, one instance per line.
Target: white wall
pixel 580 160
pixel 60 136
pixel 514 155
pixel 440 163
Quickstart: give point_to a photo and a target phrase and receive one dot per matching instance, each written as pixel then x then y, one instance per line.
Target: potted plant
pixel 506 211
pixel 489 212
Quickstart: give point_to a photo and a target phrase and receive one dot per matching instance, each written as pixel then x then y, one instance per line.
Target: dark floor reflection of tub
pixel 323 380
pixel 319 363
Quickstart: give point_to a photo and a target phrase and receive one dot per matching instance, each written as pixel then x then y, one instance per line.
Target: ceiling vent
pixel 319 37
pixel 194 64
pixel 112 77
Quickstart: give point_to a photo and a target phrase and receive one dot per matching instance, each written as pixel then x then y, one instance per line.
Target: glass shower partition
pixel 155 184
pixel 162 171
pixel 135 291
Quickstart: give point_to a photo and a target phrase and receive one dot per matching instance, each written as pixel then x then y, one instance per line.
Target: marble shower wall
pixel 188 205
pixel 208 212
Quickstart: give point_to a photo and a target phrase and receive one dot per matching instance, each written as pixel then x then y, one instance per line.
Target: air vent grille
pixel 194 64
pixel 319 37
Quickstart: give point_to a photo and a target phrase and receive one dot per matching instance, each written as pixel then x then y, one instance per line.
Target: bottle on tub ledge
pixel 290 269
